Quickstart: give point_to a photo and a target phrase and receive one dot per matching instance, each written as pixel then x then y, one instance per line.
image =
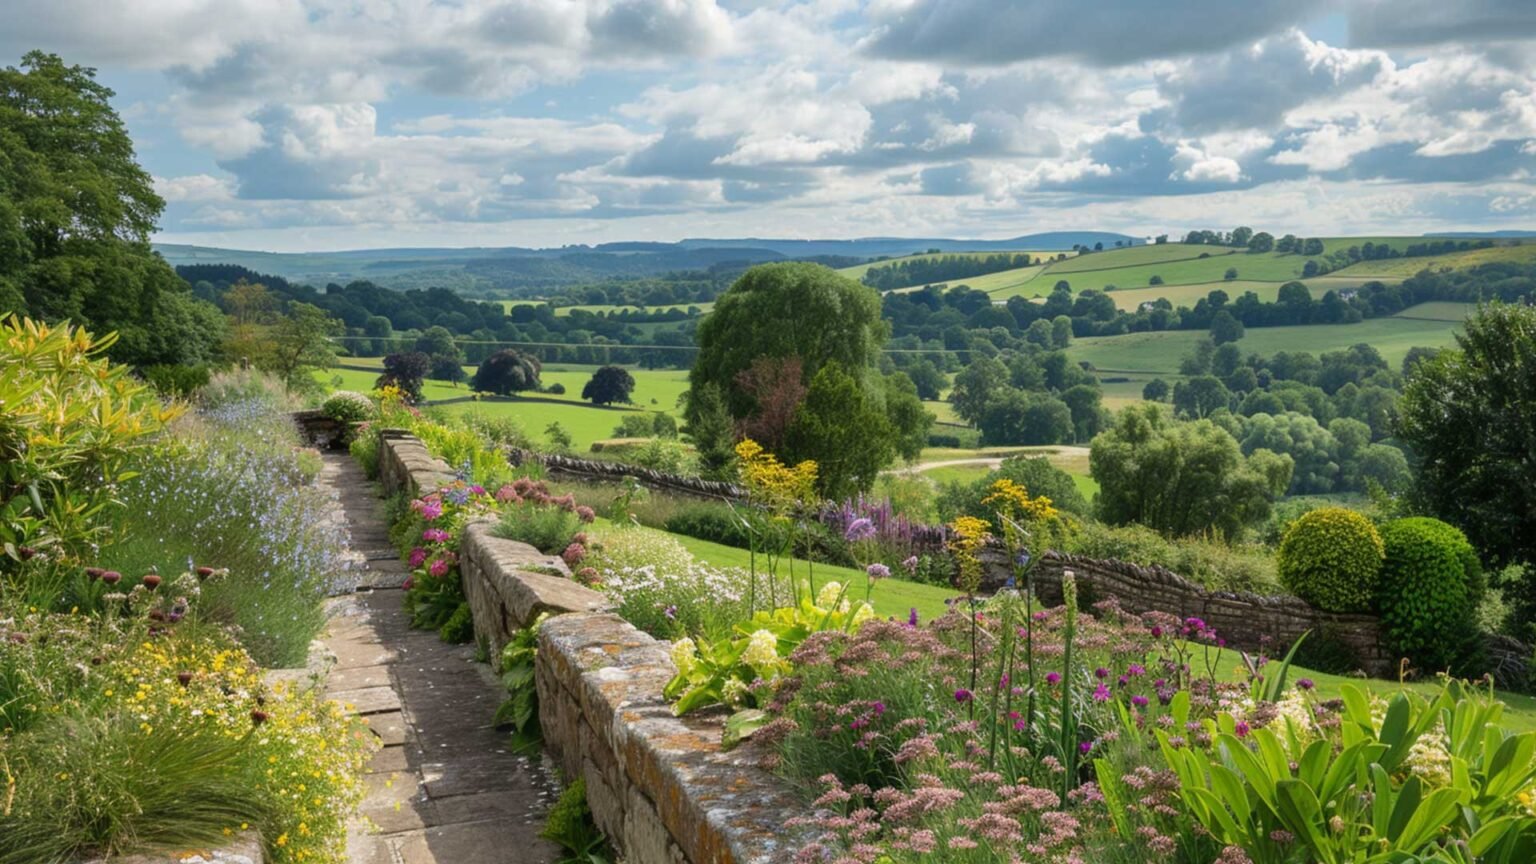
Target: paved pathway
pixel 444 788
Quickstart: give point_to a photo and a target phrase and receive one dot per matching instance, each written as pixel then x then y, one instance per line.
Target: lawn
pixel 1159 353
pixel 1439 311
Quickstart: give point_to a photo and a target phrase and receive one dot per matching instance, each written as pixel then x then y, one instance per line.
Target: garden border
pixel 660 787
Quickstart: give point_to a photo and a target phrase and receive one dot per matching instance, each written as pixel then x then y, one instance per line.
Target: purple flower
pixel 962 695
pixel 859 529
pixel 1157 632
pixel 670 612
pixel 1136 670
pixel 1305 683
pixel 1101 693
pixel 1241 729
pixel 877 572
pixel 1023 558
pixel 910 565
pixel 912 617
pixel 1052 678
pixel 1139 701
pixel 879 708
pixel 1101 672
pixel 1085 747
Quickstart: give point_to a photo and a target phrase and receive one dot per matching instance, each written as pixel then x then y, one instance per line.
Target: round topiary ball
pixel 1427 591
pixel 1331 558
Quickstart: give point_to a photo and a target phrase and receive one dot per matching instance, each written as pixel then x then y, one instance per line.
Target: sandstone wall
pixel 659 786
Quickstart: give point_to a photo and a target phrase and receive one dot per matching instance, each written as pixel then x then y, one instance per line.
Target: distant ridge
pixel 1490 234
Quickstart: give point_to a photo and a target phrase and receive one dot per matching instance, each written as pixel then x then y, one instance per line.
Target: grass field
pixel 1159 353
pixel 857 271
pixel 1138 255
pixel 1402 268
pixel 1439 311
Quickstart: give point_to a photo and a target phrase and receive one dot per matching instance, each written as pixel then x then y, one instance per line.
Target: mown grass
pixel 1159 353
pixel 1402 268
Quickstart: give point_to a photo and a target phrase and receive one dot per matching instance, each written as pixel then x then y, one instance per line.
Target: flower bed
pixel 134 716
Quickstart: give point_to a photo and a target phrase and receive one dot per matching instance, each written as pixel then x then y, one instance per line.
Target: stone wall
pixel 1247 621
pixel 320 431
pixel 659 786
pixel 613 472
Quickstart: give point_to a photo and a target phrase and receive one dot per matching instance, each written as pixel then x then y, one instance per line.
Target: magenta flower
pixel 1101 672
pixel 1136 670
pixel 1157 632
pixel 1139 701
pixel 1101 693
pixel 439 568
pixel 1241 729
pixel 431 510
pixel 1305 683
pixel 418 555
pixel 435 535
pixel 877 572
pixel 962 695
pixel 912 617
pixel 1085 747
pixel 1052 678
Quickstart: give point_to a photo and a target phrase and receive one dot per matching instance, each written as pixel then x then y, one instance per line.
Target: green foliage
pixel 569 825
pixel 459 629
pixel 507 372
pixel 1035 473
pixel 711 522
pixel 521 708
pixel 1466 413
pixel 1181 478
pixel 76 212
pixel 1426 597
pixel 843 429
pixel 348 407
pixel 1314 452
pixel 89 785
pixel 1208 561
pixel 71 424
pixel 546 528
pixel 1349 800
pixel 175 380
pixel 1331 558
pixel 364 449
pixel 609 384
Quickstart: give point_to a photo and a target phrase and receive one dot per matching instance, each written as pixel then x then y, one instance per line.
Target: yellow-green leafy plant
pixel 1331 558
pixel 69 423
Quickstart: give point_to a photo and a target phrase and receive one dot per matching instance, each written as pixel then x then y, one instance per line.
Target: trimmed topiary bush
pixel 1426 592
pixel 1331 558
pixel 348 407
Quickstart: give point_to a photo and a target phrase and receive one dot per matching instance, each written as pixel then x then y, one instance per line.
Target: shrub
pixel 1035 473
pixel 556 389
pixel 176 380
pixel 1426 591
pixel 1208 561
pixel 365 451
pixel 347 407
pixel 546 528
pixel 459 629
pixel 245 385
pixel 1331 558
pixel 711 522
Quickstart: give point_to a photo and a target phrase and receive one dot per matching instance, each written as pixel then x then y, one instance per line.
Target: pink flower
pixel 1101 693
pixel 439 568
pixel 435 535
pixel 910 565
pixel 585 513
pixel 1052 678
pixel 574 553
pixel 431 510
pixel 418 555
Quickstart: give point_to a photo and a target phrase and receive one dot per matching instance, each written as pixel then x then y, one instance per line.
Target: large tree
pixel 76 212
pixel 507 372
pixel 1468 415
pixel 805 316
pixel 1182 478
pixel 609 384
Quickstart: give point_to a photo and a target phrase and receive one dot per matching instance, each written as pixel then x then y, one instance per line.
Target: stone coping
pixel 660 787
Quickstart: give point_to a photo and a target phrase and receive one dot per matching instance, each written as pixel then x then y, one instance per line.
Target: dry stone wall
pixel 612 472
pixel 1250 622
pixel 659 786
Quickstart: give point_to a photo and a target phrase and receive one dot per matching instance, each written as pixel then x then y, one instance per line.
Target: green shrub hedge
pixel 1427 592
pixel 1331 558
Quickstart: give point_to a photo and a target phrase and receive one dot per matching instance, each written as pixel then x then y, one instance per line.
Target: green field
pixel 1439 311
pixel 655 390
pixel 1138 255
pixel 857 271
pixel 1402 268
pixel 1159 353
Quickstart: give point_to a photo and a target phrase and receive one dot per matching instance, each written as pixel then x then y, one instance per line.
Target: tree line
pixel 928 269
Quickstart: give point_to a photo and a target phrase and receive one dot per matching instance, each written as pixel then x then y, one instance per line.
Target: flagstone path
pixel 444 787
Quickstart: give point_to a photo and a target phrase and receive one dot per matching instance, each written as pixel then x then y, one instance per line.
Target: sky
pixel 304 125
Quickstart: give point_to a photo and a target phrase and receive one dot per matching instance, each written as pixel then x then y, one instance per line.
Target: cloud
pixel 1253 86
pixel 1399 23
pixel 1109 33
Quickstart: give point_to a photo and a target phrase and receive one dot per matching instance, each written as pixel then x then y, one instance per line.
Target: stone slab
pixel 368 700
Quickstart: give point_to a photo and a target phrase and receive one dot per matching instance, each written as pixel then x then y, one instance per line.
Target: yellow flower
pixel 1012 499
pixel 762 651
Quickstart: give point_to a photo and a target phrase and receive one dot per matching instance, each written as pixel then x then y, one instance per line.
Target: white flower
pixel 733 693
pixel 762 653
pixel 684 655
pixel 828 594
